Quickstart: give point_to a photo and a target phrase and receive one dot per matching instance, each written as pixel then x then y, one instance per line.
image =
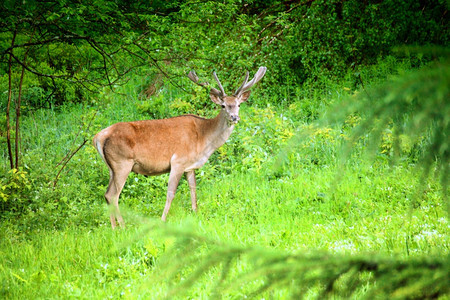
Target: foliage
pixel 408 114
pixel 74 47
pixel 63 46
pixel 14 189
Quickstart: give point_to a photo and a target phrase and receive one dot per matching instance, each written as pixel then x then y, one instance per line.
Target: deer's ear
pixel 244 96
pixel 215 98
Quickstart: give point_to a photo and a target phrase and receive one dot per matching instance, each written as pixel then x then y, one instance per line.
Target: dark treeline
pixel 69 49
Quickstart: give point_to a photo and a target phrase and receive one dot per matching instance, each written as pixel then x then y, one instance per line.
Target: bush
pixel 15 190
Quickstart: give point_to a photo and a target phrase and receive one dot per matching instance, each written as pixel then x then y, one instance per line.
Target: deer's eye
pixel 223 106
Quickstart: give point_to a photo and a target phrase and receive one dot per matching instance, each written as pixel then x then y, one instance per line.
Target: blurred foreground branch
pixel 265 272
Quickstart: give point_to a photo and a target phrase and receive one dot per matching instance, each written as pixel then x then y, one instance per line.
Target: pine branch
pixel 330 275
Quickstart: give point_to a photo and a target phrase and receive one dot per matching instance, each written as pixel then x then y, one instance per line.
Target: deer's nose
pixel 234 118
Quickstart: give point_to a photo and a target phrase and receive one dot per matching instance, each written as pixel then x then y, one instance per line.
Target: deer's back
pixel 151 144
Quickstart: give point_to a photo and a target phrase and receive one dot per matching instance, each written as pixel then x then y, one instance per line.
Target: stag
pixel 176 145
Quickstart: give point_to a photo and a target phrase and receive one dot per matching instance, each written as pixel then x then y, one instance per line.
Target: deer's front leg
pixel 190 176
pixel 174 179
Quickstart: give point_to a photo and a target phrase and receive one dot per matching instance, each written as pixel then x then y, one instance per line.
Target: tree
pixel 58 51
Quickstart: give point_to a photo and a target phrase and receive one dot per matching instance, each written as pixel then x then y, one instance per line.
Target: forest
pixel 332 185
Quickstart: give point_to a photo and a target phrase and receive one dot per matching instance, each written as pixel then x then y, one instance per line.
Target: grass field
pixel 56 242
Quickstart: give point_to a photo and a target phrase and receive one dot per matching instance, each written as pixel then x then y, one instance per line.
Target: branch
pixel 67 160
pixel 69 155
pixel 155 63
pixel 34 71
pixel 47 41
pixel 105 58
pixel 274 21
pixel 70 78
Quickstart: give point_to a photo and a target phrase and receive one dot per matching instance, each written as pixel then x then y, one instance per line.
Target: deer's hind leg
pixel 118 174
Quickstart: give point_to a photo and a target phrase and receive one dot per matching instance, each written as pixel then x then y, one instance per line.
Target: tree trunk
pixel 8 107
pixel 18 104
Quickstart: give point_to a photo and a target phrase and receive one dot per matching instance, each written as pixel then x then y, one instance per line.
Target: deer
pixel 178 145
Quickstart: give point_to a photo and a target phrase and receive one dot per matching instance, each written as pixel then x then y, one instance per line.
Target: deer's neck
pixel 215 133
pixel 218 132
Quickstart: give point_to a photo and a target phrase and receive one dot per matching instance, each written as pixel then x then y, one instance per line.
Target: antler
pixel 246 86
pixel 220 85
pixel 240 88
pixel 193 76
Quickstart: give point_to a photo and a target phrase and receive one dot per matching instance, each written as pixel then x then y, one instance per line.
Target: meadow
pixel 270 189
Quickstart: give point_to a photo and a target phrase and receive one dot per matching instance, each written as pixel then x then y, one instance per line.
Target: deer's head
pixel 230 104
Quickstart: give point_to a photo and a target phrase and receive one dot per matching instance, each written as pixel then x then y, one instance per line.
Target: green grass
pixel 57 242
pixel 72 263
pixel 304 212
